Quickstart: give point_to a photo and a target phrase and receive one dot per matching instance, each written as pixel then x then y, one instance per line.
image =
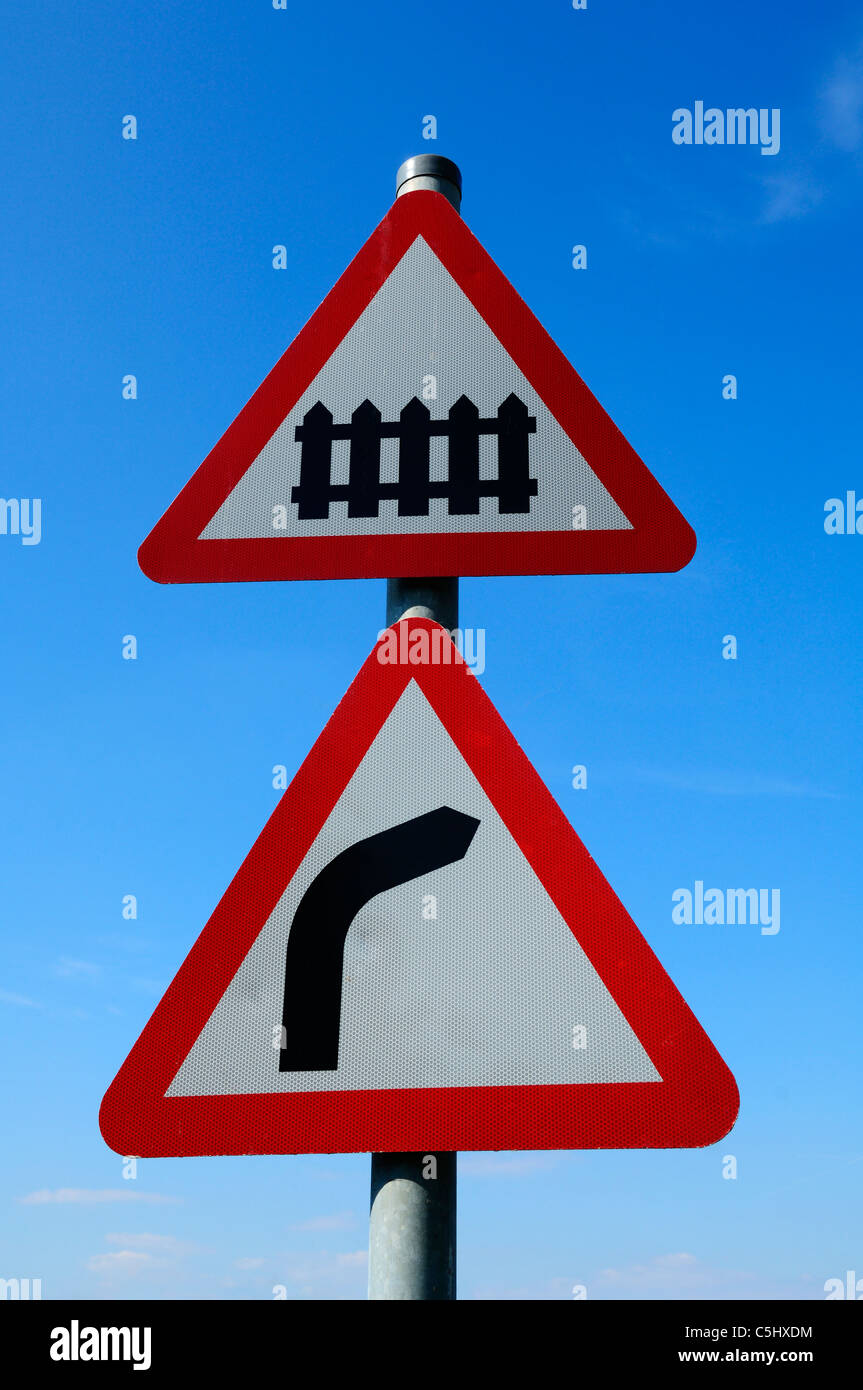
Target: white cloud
pixel 676 1275
pixel 841 102
pixel 517 1165
pixel 656 1270
pixel 249 1262
pixel 551 1289
pixel 121 1262
pixel 141 1252
pixel 792 193
pixel 730 781
pixel 81 1196
pixel 789 195
pixel 146 1241
pixel 6 997
pixel 679 1275
pixel 72 969
pixel 340 1221
pixel 322 1274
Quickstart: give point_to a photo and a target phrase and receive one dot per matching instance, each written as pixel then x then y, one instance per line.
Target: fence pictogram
pixel 414 429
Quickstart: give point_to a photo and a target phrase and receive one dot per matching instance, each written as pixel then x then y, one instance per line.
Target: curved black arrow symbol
pixel 313 960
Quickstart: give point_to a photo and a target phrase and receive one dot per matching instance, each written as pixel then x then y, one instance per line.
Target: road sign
pixel 422 423
pixel 418 954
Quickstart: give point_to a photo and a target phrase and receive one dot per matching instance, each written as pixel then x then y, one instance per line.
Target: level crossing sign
pixel 422 423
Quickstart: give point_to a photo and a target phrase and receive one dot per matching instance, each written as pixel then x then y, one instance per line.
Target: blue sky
pixel 153 777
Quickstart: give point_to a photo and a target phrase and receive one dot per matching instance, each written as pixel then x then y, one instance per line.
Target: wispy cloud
pixel 69 968
pixel 792 192
pixel 153 1244
pixel 517 1165
pixel 324 1265
pixel 21 1000
pixel 147 986
pixel 683 1275
pixel 549 1289
pixel 679 1275
pixel 789 195
pixel 340 1221
pixel 124 1262
pixel 840 113
pixel 722 781
pixel 141 1252
pixel 82 1196
pixel 323 1274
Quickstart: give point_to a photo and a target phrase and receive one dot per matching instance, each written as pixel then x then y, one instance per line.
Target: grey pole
pixel 412 1218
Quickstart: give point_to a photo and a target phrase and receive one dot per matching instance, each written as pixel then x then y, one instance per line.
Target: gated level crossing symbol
pixel 343 465
pixel 414 429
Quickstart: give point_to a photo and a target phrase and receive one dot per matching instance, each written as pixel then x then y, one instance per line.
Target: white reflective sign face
pixel 421 339
pixel 464 976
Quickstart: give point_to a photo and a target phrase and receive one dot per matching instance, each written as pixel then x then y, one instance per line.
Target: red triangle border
pixel 695 1104
pixel 661 539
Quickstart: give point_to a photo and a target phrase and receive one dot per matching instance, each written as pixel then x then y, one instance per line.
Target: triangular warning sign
pixel 418 954
pixel 422 423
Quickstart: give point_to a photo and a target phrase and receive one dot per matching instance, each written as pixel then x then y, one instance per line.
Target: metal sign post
pixel 412 1213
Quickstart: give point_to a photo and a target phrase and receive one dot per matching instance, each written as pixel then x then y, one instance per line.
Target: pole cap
pixel 431 171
